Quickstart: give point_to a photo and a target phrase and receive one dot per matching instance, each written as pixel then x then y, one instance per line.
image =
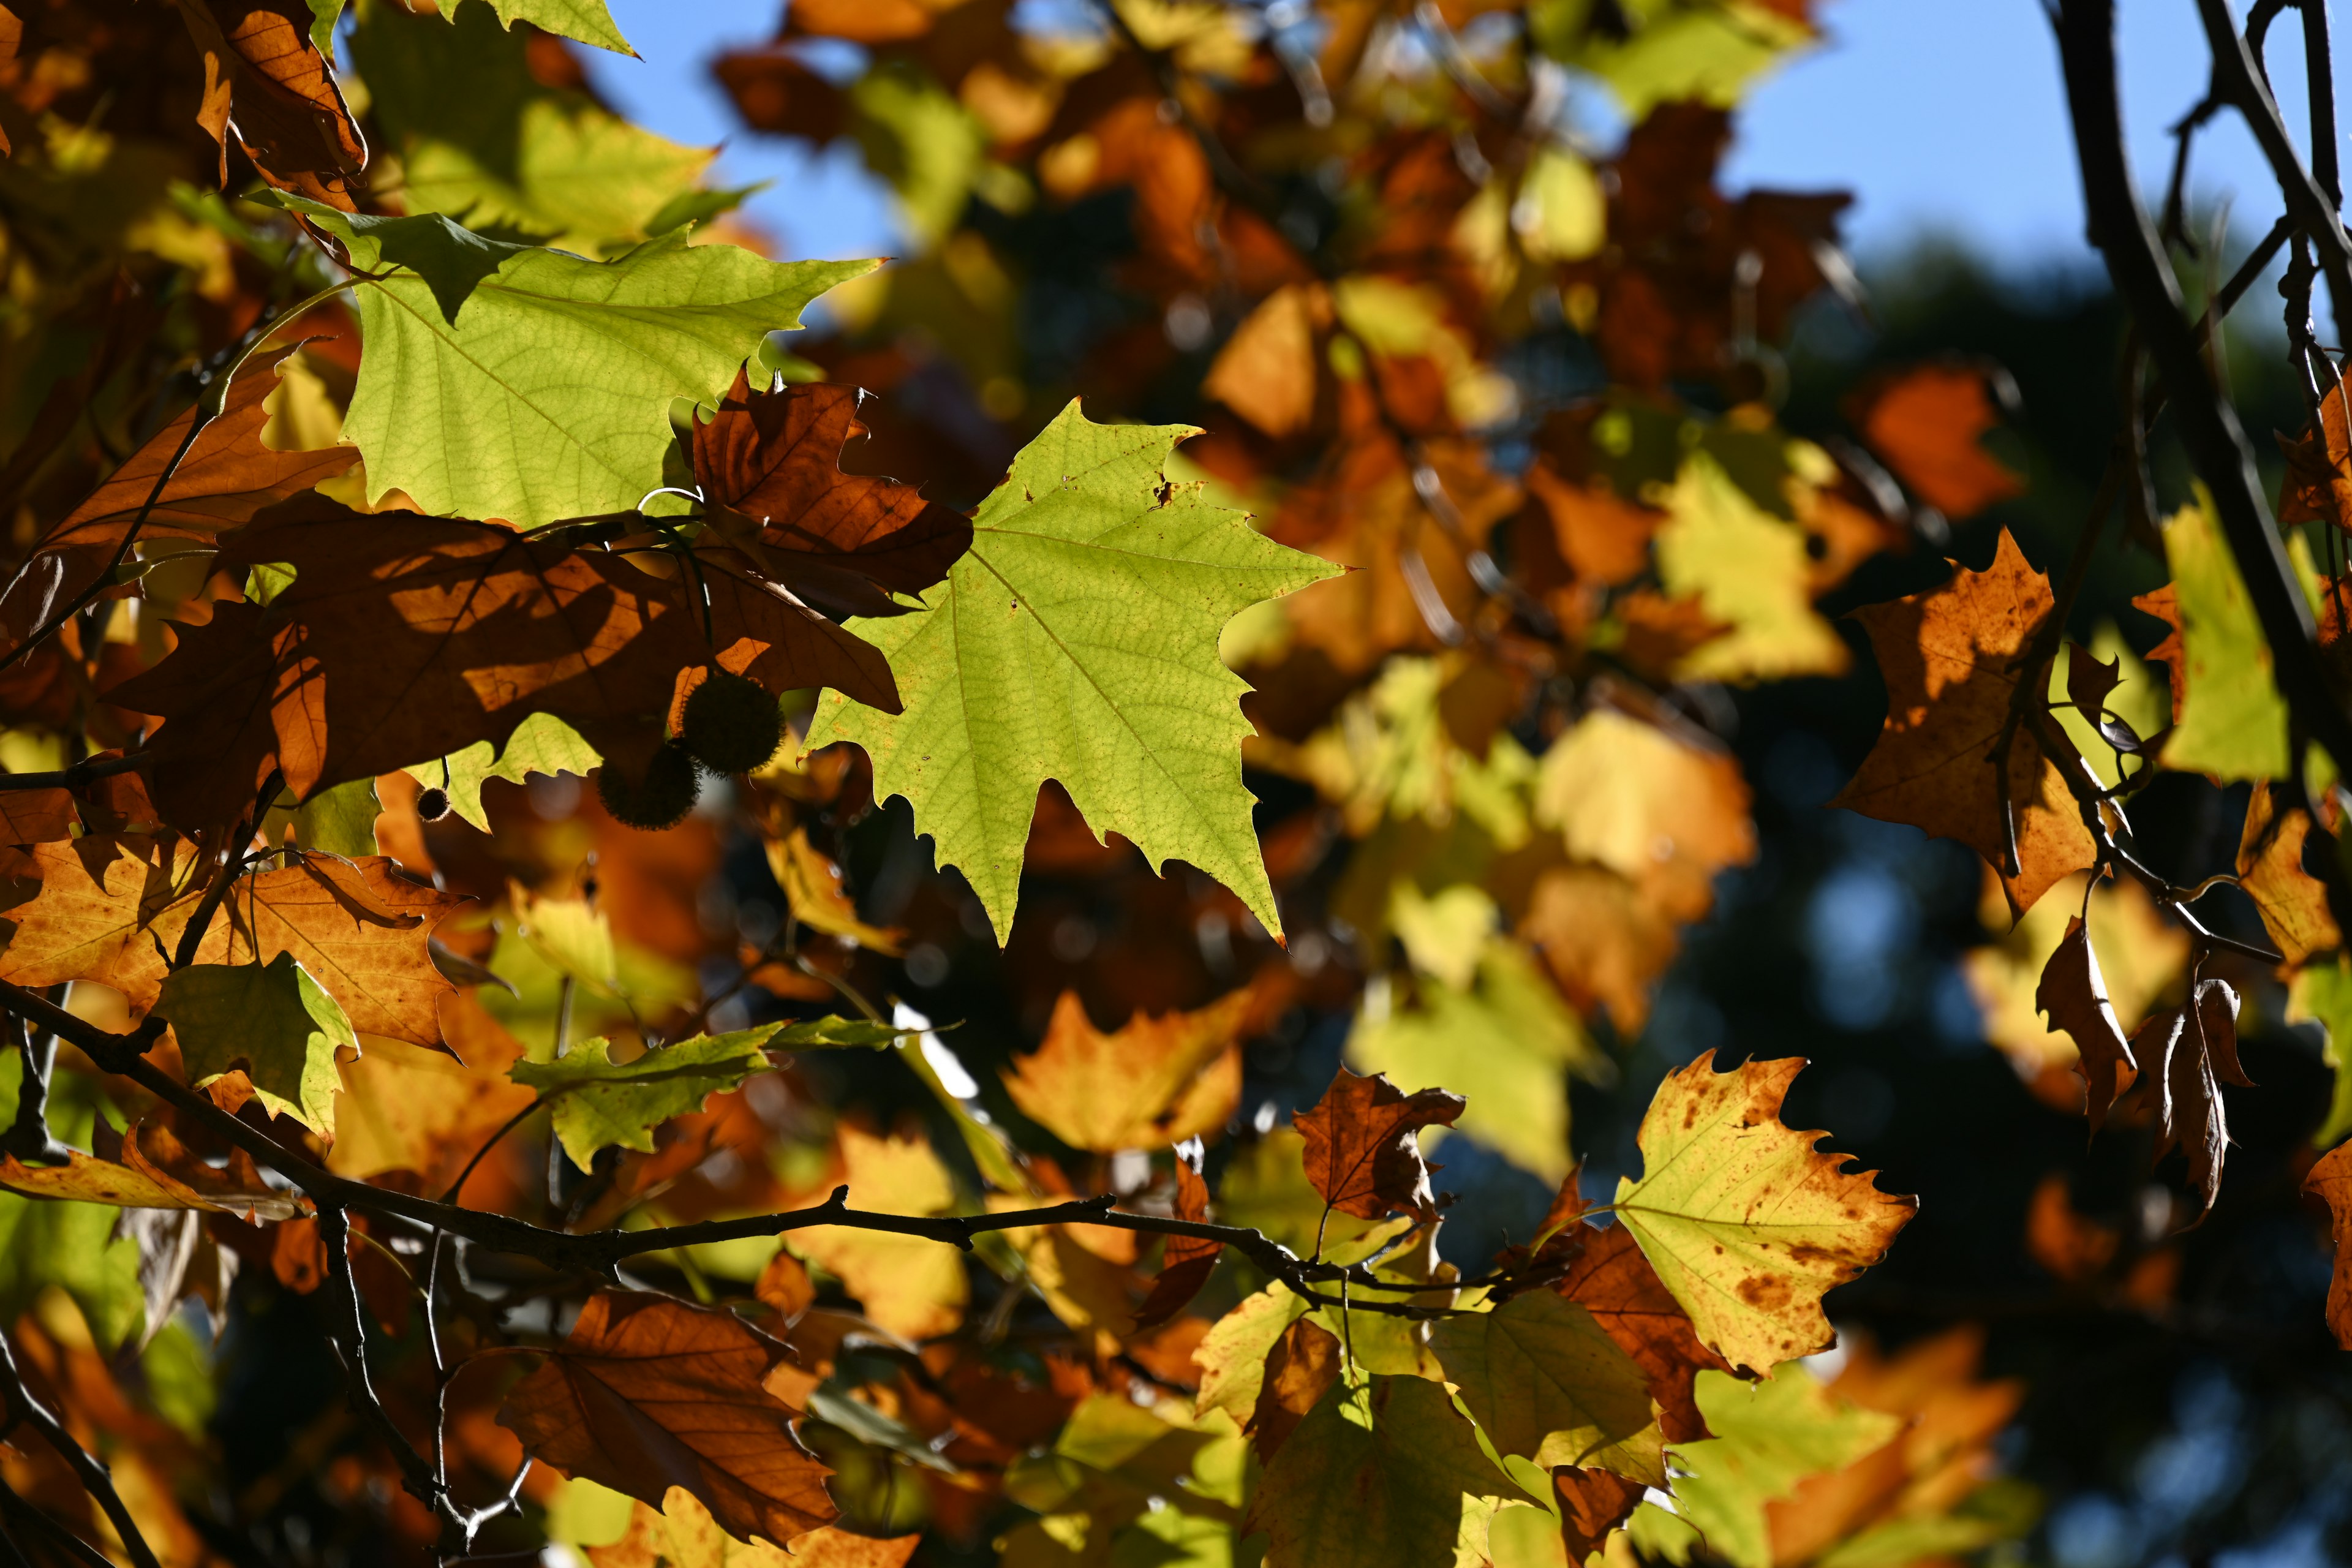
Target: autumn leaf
pixel 812 890
pixel 599 1102
pixel 1927 424
pixel 1362 1150
pixel 1233 1356
pixel 2330 1181
pixel 1746 1223
pixel 914 1288
pixel 2291 900
pixel 2229 720
pixel 1591 1504
pixel 1545 1382
pixel 1950 658
pixel 2185 1055
pixel 1387 1471
pixel 1185 1261
pixel 1610 1279
pixel 682 1535
pixel 1769 1436
pixel 1749 570
pixel 2074 996
pixel 1089 608
pixel 647 1394
pixel 360 928
pixel 273 1020
pixel 481 139
pixel 843 543
pixel 1150 1081
pixel 508 381
pixel 1266 373
pixel 542 743
pixel 156 1170
pixel 266 84
pixel 393 644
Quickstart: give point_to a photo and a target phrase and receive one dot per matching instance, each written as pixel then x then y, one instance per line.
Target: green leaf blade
pixel 1077 641
pixel 271 1019
pixel 599 1102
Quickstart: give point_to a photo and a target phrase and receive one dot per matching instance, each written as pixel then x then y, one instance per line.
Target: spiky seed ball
pixel 732 723
pixel 433 804
pixel 660 800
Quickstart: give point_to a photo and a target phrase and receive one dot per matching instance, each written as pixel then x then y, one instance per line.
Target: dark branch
pixel 95 1477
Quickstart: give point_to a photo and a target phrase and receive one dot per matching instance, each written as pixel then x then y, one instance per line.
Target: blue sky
pixel 1938 114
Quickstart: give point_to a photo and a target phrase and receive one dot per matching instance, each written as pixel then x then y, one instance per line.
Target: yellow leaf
pixel 1746 1222
pixel 914 1288
pixel 1749 570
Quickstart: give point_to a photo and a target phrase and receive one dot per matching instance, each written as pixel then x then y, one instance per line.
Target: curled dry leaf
pixel 2074 996
pixel 647 1394
pixel 1746 1221
pixel 2186 1054
pixel 1363 1152
pixel 1950 658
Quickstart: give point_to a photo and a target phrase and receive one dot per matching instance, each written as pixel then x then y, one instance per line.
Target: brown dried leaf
pixel 647 1394
pixel 2074 995
pixel 2330 1181
pixel 1949 660
pixel 1591 1504
pixel 268 86
pixel 1362 1151
pixel 2186 1054
pixel 1185 1261
pixel 1611 1281
pixel 844 542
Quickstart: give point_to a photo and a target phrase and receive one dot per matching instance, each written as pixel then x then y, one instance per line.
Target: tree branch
pixel 600 1252
pixel 93 1473
pixel 2209 426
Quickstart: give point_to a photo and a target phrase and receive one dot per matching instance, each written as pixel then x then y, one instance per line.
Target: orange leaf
pixel 360 928
pixel 1948 657
pixel 1362 1153
pixel 1151 1081
pixel 1925 423
pixel 1299 1370
pixel 1591 1504
pixel 270 88
pixel 647 1394
pixel 2292 901
pixel 2331 1182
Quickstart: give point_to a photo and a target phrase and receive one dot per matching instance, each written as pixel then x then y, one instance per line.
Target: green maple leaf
pixel 1078 641
pixel 586 20
pixel 1768 1437
pixel 600 1101
pixel 542 743
pixel 273 1020
pixel 482 140
pixel 1545 1382
pixel 506 381
pixel 833 1032
pixel 2233 723
pixel 1386 1473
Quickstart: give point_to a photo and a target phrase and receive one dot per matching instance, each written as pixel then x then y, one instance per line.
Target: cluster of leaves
pixel 458 458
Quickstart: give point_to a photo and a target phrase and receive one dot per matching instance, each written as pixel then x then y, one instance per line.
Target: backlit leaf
pixel 1925 424
pixel 1149 1082
pixel 272 1020
pixel 2232 722
pixel 1744 1219
pixel 1362 1150
pixel 1769 1436
pixel 1610 1279
pixel 2330 1181
pixel 534 386
pixel 1543 1381
pixel 599 1102
pixel 1089 608
pixel 647 1393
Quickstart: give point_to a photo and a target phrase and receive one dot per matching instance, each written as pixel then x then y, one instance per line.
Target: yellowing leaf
pixel 914 1288
pixel 2140 955
pixel 682 1535
pixel 274 1021
pixel 507 382
pixel 1544 1382
pixel 1768 1437
pixel 812 885
pixel 1385 1472
pixel 2232 720
pixel 1087 610
pixel 1232 1356
pixel 1748 570
pixel 2322 993
pixel 1152 1081
pixel 1744 1219
pixel 599 1102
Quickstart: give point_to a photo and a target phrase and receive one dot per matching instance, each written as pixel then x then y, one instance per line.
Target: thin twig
pixel 88 1469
